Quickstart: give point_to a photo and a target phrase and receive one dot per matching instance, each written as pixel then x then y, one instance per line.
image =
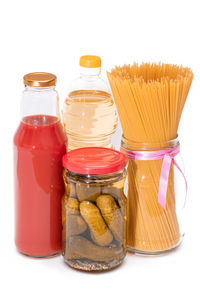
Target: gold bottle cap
pixel 40 79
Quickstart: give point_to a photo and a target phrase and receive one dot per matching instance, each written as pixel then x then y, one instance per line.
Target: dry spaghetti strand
pixel 150 100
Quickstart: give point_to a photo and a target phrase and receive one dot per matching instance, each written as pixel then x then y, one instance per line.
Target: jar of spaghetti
pixel 156 196
pixel 94 209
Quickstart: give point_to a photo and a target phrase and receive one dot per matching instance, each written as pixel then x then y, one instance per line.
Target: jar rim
pixel 133 145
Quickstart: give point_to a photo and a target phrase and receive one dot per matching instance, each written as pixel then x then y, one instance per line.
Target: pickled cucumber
pixel 79 247
pixel 64 201
pixel 99 231
pixel 69 206
pixel 111 214
pixel 75 225
pixel 72 206
pixel 87 192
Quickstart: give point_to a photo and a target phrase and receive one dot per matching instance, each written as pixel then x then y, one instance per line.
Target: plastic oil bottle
pixel 89 114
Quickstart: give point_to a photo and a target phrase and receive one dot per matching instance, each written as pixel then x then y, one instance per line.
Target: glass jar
pixel 94 209
pixel 154 227
pixel 89 115
pixel 39 144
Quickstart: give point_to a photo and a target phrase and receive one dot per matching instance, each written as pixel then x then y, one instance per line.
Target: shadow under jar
pixel 94 209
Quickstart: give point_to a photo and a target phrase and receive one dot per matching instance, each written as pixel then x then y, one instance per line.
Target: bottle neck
pixel 40 101
pixel 90 73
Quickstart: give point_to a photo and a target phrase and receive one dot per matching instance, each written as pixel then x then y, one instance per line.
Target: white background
pixel 50 36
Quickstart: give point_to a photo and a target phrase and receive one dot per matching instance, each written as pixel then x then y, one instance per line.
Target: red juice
pixel 39 145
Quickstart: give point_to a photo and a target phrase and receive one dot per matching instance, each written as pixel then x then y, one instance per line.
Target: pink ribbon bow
pixel 168 158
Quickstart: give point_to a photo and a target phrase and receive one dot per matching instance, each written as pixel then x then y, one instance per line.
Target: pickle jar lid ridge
pixel 94 160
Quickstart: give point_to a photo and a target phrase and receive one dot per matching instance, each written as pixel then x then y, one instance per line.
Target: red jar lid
pixel 94 160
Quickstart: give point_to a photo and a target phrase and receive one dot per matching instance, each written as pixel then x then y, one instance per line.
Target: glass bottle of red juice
pixel 39 145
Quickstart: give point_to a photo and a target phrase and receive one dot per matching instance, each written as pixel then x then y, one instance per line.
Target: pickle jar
pixel 94 208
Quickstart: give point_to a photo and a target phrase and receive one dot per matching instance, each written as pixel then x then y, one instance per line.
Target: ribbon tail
pixel 186 185
pixel 162 193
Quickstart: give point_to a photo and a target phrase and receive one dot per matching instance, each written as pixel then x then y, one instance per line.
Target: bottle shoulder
pixel 36 137
pixel 88 83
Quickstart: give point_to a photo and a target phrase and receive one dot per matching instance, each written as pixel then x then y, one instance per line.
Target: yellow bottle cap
pixel 90 61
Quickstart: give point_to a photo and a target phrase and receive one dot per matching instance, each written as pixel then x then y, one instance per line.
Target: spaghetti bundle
pixel 150 99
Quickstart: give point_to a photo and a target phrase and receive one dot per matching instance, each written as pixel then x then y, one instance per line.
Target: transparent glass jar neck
pixel 153 146
pixel 39 89
pixel 98 178
pixel 39 101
